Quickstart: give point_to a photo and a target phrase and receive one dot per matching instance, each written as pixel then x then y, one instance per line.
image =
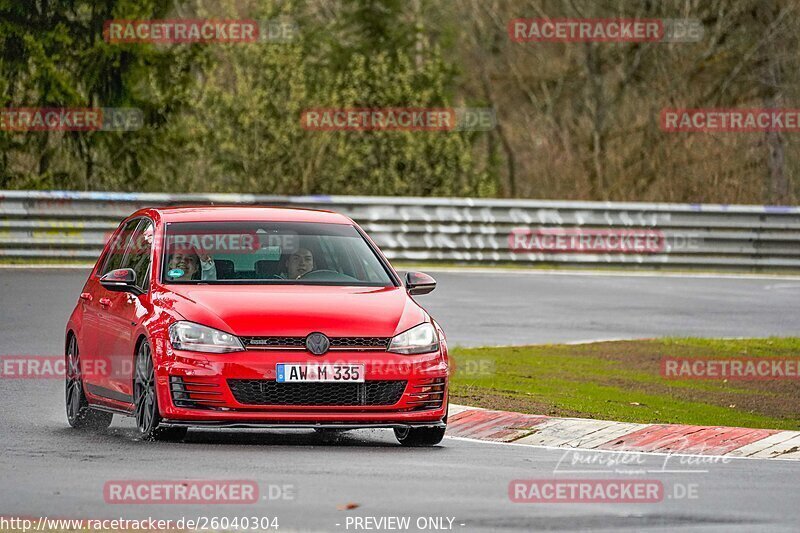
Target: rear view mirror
pixel 419 283
pixel 121 280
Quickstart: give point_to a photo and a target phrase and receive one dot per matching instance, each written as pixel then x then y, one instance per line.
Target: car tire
pixel 145 400
pixel 415 437
pixel 79 414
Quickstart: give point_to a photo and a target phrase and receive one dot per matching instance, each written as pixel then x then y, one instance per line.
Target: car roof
pixel 215 213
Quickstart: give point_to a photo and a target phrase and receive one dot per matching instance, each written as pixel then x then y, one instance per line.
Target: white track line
pixel 586 433
pixel 590 450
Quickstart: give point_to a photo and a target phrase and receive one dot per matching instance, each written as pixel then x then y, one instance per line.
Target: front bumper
pixel 219 407
pixel 232 424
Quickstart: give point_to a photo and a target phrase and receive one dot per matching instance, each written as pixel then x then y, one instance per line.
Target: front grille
pixel 274 342
pixel 360 342
pixel 340 343
pixel 264 392
pixel 194 393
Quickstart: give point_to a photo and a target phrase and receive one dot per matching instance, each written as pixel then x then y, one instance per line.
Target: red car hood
pixel 270 310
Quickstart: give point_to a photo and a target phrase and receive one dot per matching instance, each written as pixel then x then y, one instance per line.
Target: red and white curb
pixel 546 431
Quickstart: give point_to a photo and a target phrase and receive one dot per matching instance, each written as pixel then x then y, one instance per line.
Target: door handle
pixel 86 296
pixel 105 302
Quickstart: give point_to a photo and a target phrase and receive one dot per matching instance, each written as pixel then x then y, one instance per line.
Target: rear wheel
pixel 410 436
pixel 148 418
pixel 79 414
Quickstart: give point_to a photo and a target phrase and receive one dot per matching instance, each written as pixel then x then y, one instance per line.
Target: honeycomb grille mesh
pixel 274 342
pixel 360 342
pixel 266 392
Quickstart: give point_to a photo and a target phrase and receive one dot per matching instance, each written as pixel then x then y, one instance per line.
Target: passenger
pixel 192 265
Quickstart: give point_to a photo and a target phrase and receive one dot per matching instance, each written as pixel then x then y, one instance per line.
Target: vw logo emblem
pixel 317 343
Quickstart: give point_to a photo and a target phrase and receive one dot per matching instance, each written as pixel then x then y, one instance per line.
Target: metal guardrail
pixel 74 225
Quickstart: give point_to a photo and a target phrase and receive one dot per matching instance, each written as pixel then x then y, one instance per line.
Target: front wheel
pixel 148 418
pixel 79 414
pixel 410 436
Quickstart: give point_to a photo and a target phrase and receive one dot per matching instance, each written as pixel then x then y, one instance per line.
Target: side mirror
pixel 121 280
pixel 419 283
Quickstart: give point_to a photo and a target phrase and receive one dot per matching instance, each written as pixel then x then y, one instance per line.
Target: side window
pixel 138 257
pixel 118 247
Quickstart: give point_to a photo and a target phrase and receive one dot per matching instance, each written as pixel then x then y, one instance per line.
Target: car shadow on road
pixel 358 438
pixel 369 438
pixel 125 433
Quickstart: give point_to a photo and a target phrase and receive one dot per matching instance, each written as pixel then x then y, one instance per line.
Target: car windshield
pixel 270 252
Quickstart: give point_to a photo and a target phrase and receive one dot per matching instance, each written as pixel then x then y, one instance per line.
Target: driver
pixel 299 263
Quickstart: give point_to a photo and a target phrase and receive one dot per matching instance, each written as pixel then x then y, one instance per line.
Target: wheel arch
pixel 70 334
pixel 142 338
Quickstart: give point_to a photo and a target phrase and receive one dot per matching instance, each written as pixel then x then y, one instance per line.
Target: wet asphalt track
pixel 48 469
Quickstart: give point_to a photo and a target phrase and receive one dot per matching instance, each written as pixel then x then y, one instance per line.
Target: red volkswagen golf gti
pixel 253 317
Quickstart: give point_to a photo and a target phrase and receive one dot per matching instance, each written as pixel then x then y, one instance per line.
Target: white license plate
pixel 298 373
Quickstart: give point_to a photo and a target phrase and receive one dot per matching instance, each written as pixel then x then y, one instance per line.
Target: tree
pixel 54 55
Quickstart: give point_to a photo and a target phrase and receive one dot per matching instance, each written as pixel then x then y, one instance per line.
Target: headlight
pixel 419 339
pixel 197 338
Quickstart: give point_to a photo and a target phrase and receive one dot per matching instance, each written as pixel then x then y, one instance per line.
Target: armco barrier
pixel 74 225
